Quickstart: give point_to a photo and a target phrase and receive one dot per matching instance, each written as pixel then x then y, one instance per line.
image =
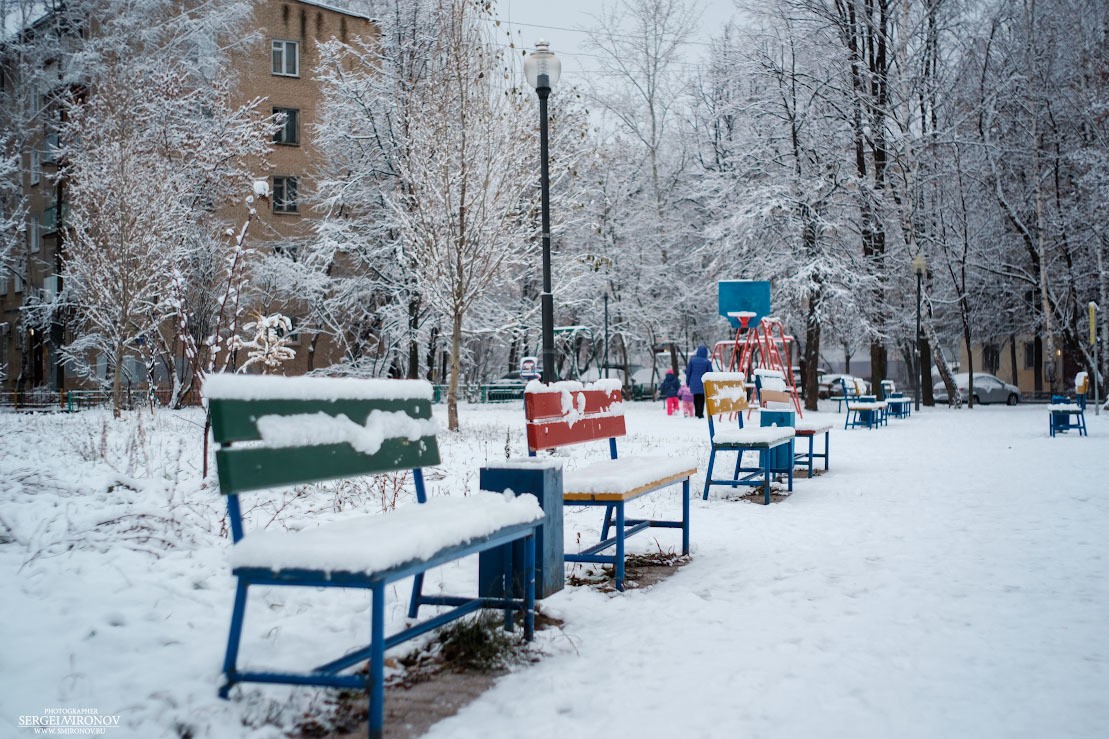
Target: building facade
pixel 277 69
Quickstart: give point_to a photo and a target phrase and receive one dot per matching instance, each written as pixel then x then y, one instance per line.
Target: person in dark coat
pixel 668 388
pixel 699 364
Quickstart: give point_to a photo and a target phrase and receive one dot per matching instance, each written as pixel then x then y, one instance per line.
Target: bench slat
pixel 256 468
pixel 235 420
pixel 560 433
pixel 549 404
pixel 724 394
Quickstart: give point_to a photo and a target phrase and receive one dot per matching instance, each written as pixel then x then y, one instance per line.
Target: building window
pixel 1029 355
pixel 287 250
pixel 284 194
pixel 289 120
pixel 36 166
pixel 285 62
pixel 991 357
pixel 53 218
pixel 34 234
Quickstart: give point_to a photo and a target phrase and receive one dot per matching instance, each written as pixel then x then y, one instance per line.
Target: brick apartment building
pixel 278 68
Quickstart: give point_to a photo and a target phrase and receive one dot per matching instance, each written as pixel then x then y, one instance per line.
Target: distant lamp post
pixel 542 68
pixel 606 336
pixel 920 268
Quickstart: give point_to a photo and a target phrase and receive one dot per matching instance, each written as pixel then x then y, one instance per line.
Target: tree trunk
pixel 812 353
pixel 953 398
pixel 456 368
pixel 117 382
pixel 413 345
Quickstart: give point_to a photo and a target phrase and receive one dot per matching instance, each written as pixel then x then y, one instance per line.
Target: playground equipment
pixel 760 339
pixel 575 350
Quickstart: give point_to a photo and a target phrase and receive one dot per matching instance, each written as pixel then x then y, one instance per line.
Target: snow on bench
pixel 277 432
pixel 369 544
pixel 726 393
pixel 568 413
pixel 765 436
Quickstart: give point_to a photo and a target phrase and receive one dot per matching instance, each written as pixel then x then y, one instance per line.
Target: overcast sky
pixel 557 21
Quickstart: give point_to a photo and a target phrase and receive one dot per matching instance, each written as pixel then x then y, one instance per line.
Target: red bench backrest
pixel 552 425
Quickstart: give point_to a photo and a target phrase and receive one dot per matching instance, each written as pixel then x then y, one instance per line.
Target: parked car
pixel 829 385
pixel 987 389
pixel 642 386
pixel 799 380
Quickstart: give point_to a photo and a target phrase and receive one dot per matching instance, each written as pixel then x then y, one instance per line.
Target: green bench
pixel 276 432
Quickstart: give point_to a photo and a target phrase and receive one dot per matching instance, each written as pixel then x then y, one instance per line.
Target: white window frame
pixel 34 234
pixel 283 47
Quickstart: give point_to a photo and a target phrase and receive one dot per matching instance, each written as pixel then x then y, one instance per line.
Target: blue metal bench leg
pixel 529 587
pixel 708 475
pixel 417 595
pixel 608 522
pixel 620 546
pixel 791 451
pixel 812 440
pixel 377 662
pixel 764 462
pixel 507 584
pixel 738 464
pixel 685 516
pixel 233 637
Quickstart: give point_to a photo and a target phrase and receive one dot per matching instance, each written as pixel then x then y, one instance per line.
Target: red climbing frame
pixel 764 345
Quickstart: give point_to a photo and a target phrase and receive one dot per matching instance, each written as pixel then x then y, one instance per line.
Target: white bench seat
pixel 370 544
pixel 763 436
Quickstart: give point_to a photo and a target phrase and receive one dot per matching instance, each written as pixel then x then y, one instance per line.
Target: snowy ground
pixel 947 577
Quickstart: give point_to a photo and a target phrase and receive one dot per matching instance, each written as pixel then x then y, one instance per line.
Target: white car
pixel 987 389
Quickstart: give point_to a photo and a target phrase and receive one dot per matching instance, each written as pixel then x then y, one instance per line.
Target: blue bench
pixel 276 432
pixel 1065 415
pixel 862 410
pixel 726 393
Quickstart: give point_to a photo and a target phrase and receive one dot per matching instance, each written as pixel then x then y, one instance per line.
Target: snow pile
pixel 317 429
pixel 228 386
pixel 625 474
pixel 608 385
pixel 937 576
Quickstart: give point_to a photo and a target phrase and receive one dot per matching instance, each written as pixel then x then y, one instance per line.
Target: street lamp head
pixel 542 67
pixel 920 266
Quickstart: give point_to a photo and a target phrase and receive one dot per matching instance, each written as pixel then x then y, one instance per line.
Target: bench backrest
pixel 853 389
pixel 725 392
pixel 770 387
pixel 280 431
pixel 566 413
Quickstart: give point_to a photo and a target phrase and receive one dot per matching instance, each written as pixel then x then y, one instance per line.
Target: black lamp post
pixel 542 68
pixel 920 268
pixel 606 335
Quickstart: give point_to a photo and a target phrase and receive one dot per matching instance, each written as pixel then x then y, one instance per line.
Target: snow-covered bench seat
pixel 810 430
pixel 277 432
pixel 567 413
pixel 862 410
pixel 725 393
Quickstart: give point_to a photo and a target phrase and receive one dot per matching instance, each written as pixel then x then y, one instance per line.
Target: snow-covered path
pixel 946 578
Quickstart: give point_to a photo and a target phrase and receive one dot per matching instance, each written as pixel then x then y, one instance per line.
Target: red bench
pixel 568 413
